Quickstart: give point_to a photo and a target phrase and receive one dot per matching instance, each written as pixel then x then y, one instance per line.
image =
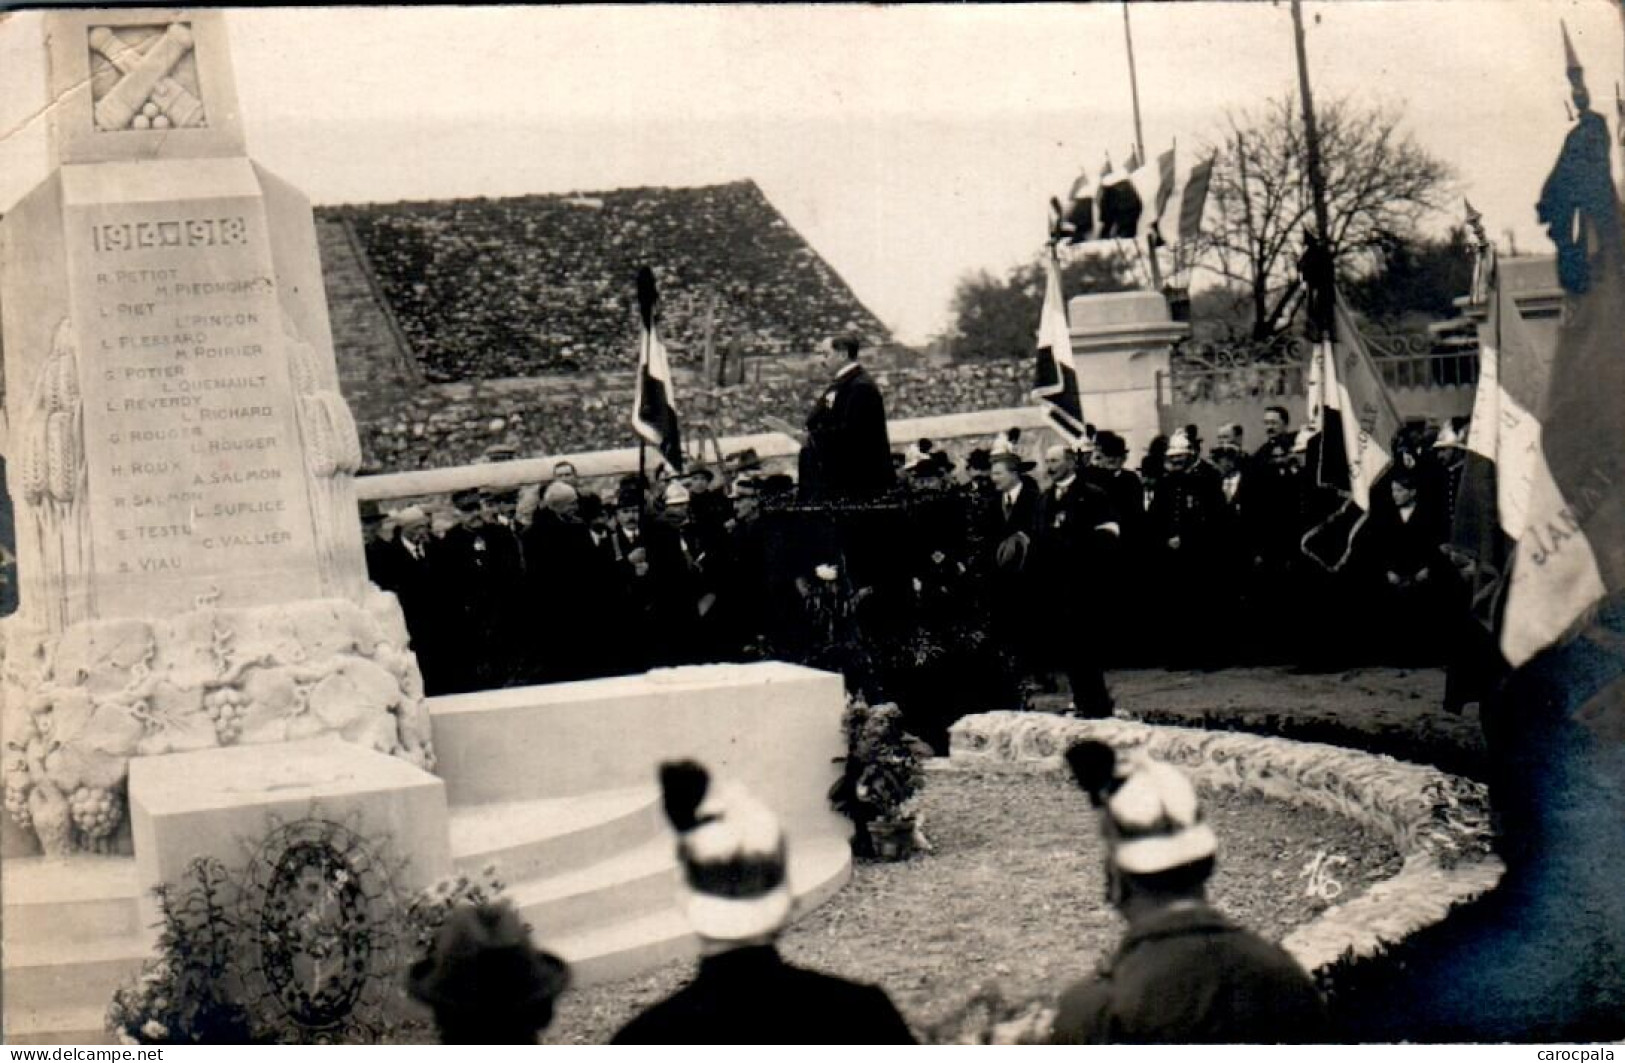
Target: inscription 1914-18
pixel 191 432
pixel 188 232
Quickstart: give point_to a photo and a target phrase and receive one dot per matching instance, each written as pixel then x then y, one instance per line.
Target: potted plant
pixel 880 780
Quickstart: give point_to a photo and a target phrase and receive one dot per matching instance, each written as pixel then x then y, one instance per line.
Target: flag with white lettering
pixel 1503 442
pixel 1571 551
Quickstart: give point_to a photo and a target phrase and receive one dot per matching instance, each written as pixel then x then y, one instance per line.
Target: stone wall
pixel 376 368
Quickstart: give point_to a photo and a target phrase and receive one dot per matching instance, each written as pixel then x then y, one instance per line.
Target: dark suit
pixel 558 566
pixel 1010 542
pixel 675 589
pixel 1190 976
pixel 396 569
pixel 848 453
pixel 481 572
pixel 1188 507
pixel 1075 548
pixel 1407 619
pixel 750 996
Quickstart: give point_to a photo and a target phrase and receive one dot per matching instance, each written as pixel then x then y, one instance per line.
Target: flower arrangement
pixel 184 994
pixel 308 943
pixel 426 912
pixel 881 776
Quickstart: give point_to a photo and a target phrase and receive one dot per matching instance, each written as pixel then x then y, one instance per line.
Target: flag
pixel 1503 440
pixel 1147 182
pixel 1167 178
pixel 1570 554
pixel 1055 382
pixel 1193 200
pixel 1352 413
pixel 654 409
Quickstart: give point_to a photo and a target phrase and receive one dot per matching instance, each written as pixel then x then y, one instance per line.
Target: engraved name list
pixel 190 431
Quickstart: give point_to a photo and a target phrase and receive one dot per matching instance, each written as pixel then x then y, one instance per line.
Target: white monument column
pixel 180 457
pixel 1121 341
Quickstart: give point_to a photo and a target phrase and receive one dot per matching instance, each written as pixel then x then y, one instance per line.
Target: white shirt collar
pixel 847 370
pixel 1062 485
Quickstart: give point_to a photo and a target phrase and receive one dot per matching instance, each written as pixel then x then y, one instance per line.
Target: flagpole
pixel 1139 137
pixel 1311 134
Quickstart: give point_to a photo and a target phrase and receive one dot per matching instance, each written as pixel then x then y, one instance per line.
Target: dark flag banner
pixel 1055 382
pixel 1571 553
pixel 654 409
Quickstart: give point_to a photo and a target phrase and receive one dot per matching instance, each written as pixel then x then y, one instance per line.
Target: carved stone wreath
pixel 324 949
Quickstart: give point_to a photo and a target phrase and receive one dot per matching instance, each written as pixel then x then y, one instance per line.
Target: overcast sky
pixel 908 145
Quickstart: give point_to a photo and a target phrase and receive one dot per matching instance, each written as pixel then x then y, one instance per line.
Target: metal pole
pixel 1311 134
pixel 1139 142
pixel 1134 85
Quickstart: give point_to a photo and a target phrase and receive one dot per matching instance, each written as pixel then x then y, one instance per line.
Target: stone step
pixel 626 886
pixel 82 1025
pixel 550 836
pixel 43 979
pixel 90 898
pixel 622 950
pixel 627 947
pixel 523 743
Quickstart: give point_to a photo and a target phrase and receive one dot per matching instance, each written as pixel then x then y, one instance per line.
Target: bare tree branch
pixel 1380 184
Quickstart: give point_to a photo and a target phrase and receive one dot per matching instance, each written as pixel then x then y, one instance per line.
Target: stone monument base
pixel 555 785
pixel 214 802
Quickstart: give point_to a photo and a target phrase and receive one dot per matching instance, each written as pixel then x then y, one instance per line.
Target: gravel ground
pixel 937 928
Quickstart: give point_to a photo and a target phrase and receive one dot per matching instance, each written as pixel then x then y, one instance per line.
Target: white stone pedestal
pixel 1121 341
pixel 221 802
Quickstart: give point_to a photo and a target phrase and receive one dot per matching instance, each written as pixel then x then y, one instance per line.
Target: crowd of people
pixel 490 288
pixel 1010 578
pixel 1182 974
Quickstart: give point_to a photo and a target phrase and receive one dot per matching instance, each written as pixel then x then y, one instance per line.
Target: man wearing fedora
pixel 736 895
pixel 485 981
pixel 1183 974
pixel 847 456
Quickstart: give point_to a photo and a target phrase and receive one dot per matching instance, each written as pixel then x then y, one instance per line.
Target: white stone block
pixel 221 803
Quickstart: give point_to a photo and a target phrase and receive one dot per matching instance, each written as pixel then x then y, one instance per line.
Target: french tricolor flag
pixel 654 407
